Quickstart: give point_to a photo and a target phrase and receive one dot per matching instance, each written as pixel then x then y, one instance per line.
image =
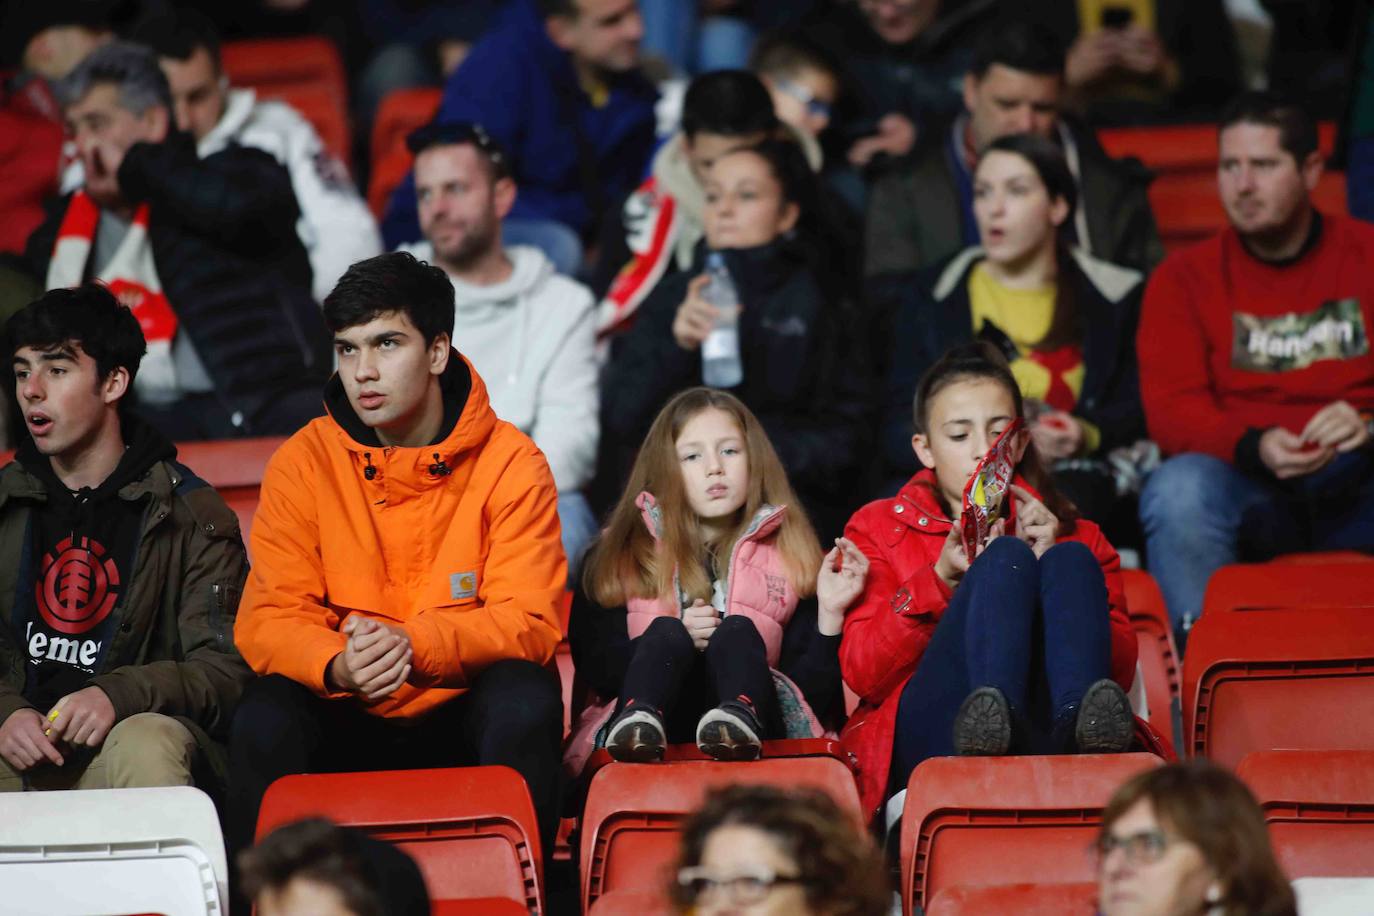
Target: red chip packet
pixel 985 494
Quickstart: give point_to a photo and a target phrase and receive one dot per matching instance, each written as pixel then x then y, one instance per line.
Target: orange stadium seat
pixel 1261 586
pixel 325 114
pixel 632 903
pixel 472 830
pixel 1158 654
pixel 400 112
pixel 633 812
pixel 979 821
pixel 1289 678
pixel 1021 899
pixel 1320 809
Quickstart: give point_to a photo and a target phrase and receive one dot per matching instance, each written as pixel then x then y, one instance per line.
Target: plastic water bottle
pixel 720 361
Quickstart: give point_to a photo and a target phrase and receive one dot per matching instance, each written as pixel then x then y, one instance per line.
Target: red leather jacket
pixel 893 621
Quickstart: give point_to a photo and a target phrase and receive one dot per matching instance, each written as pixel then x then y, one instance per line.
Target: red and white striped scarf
pixel 131 275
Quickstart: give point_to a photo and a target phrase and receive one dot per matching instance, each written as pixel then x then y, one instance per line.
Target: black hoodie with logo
pixel 79 559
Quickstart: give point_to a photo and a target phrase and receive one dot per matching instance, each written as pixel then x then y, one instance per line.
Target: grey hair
pixel 133 68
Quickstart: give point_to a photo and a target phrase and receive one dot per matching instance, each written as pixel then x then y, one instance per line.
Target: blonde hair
pixel 627 562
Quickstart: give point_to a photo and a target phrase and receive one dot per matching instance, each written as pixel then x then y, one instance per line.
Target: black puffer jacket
pixel 806 373
pixel 223 231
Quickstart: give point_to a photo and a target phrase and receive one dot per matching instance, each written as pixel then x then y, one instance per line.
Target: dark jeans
pixel 668 673
pixel 512 715
pixel 1037 631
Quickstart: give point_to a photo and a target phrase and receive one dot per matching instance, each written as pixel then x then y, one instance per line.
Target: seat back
pixel 112 850
pixel 1158 654
pixel 634 812
pixel 980 821
pixel 1021 899
pixel 234 467
pixel 1262 680
pixel 1262 586
pixel 400 112
pixel 306 72
pixel 632 903
pixel 471 830
pixel 1320 809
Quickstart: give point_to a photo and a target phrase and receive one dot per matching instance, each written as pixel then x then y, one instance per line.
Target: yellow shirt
pixel 1025 316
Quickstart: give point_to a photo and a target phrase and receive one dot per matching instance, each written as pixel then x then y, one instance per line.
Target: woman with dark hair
pixel 804 374
pixel 1064 320
pixel 763 850
pixel 1187 839
pixel 1013 640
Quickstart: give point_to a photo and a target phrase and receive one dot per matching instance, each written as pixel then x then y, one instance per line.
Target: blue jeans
pixel 579 529
pixel 1040 632
pixel 559 243
pixel 1201 513
pixel 674 31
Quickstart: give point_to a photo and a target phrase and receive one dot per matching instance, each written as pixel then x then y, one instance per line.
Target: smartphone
pixel 1117 17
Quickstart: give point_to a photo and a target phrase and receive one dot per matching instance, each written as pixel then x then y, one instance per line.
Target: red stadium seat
pixel 234 467
pixel 274 63
pixel 1182 147
pixel 980 821
pixel 472 830
pixel 400 112
pixel 1187 205
pixel 633 812
pixel 1021 899
pixel 1320 809
pixel 1263 586
pixel 1323 557
pixel 478 906
pixel 1263 680
pixel 306 72
pixel 1158 654
pixel 632 903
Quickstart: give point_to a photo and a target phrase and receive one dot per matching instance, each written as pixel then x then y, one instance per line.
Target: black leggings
pixel 512 715
pixel 668 673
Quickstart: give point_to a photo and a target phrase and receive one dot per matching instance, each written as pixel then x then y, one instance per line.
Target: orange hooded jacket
pixel 457 543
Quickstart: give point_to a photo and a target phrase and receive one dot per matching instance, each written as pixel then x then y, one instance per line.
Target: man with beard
pixel 528 330
pixel 1255 368
pixel 557 84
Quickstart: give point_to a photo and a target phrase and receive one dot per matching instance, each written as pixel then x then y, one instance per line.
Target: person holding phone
pixel 1145 59
pixel 1023 647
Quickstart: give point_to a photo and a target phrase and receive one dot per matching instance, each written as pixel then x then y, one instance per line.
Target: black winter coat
pixel 935 314
pixel 223 231
pixel 806 374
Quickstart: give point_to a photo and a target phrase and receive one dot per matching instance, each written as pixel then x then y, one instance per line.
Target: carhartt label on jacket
pixel 1282 343
pixel 462 585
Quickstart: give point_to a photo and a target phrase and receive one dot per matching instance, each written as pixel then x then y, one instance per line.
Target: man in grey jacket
pixel 120 572
pixel 529 331
pixel 921 209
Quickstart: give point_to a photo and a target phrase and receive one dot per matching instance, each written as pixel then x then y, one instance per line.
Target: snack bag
pixel 985 494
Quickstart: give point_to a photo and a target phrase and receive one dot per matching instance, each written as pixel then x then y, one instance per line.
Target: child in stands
pixel 692 595
pixel 1024 647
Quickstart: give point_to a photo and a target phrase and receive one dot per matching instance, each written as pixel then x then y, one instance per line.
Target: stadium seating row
pixel 979 835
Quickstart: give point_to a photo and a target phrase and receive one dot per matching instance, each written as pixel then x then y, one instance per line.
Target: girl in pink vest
pixel 689 593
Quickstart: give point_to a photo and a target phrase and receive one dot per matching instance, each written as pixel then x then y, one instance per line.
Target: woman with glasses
pixel 761 850
pixel 1188 839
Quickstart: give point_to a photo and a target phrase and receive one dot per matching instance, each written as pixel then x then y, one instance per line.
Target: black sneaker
pixel 1105 723
pixel 983 726
pixel 636 735
pixel 730 732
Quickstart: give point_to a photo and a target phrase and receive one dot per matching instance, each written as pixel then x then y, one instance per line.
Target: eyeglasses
pixel 814 106
pixel 1143 848
pixel 743 887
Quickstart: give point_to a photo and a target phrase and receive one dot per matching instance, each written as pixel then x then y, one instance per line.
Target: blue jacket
pixel 522 88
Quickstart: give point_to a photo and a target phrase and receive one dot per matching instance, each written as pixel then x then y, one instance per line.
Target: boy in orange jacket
pixel 407 566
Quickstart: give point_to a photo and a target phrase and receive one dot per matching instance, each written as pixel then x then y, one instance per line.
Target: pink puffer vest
pixel 757 586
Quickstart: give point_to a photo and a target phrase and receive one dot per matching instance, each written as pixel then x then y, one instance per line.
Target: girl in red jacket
pixel 691 589
pixel 1026 649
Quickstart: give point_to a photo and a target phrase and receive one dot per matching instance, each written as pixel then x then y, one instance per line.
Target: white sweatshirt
pixel 532 339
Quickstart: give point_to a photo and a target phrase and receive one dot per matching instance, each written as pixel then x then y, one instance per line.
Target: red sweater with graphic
pixel 1228 343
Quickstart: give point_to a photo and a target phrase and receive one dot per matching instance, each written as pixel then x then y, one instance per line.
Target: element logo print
pixel 78 587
